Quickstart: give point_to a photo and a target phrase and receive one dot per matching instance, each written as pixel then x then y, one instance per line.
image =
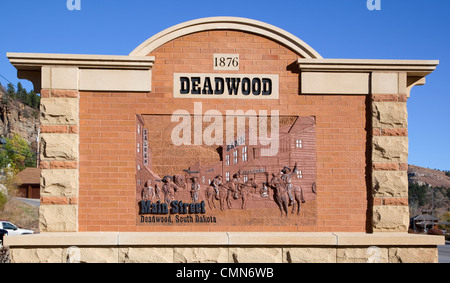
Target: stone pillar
pixel 389 152
pixel 59 155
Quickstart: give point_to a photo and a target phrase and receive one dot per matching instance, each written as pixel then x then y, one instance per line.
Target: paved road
pixel 33 202
pixel 444 253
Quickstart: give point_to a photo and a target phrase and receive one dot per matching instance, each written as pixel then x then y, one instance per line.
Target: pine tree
pixel 21 93
pixel 11 91
pixel 28 98
pixel 33 99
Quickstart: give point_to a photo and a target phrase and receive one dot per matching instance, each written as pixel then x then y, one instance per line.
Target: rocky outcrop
pixel 18 118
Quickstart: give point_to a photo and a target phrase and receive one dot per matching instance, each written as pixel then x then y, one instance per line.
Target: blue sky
pixel 403 29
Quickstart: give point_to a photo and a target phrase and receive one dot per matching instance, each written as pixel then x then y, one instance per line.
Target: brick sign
pixel 224 125
pixel 129 140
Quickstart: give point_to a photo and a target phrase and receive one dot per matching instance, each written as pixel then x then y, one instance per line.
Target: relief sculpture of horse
pixel 281 195
pixel 229 192
pixel 225 192
pixel 298 198
pixel 244 191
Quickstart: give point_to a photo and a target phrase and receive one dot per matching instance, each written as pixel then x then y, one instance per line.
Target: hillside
pixel 18 118
pixel 429 177
pixel 429 190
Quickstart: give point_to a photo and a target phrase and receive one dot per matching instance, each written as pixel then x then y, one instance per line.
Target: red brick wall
pixel 107 200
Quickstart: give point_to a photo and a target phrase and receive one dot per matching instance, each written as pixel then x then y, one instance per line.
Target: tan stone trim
pixel 69 73
pixel 226 23
pixel 290 239
pixel 241 239
pixel 65 239
pixel 385 83
pixel 304 254
pixel 388 239
pixel 115 80
pixel 412 82
pixel 418 68
pixel 61 78
pixel 334 83
pixel 34 61
pixel 178 239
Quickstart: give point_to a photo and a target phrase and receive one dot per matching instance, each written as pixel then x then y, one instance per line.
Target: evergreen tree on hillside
pixel 11 91
pixel 28 98
pixel 21 93
pixel 34 99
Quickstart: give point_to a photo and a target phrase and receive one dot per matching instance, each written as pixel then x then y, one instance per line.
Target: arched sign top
pixel 227 23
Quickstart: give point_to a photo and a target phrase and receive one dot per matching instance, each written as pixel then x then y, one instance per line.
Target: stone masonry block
pixel 309 255
pixel 200 255
pixel 362 255
pixel 390 149
pixel 390 183
pixel 390 218
pixel 37 255
pixel 256 255
pixel 58 218
pixel 59 147
pixel 146 255
pixel 99 255
pixel 59 111
pixel 55 183
pixel 413 255
pixel 390 115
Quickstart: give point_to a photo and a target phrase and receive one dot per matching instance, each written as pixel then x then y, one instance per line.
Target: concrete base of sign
pixel 224 247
